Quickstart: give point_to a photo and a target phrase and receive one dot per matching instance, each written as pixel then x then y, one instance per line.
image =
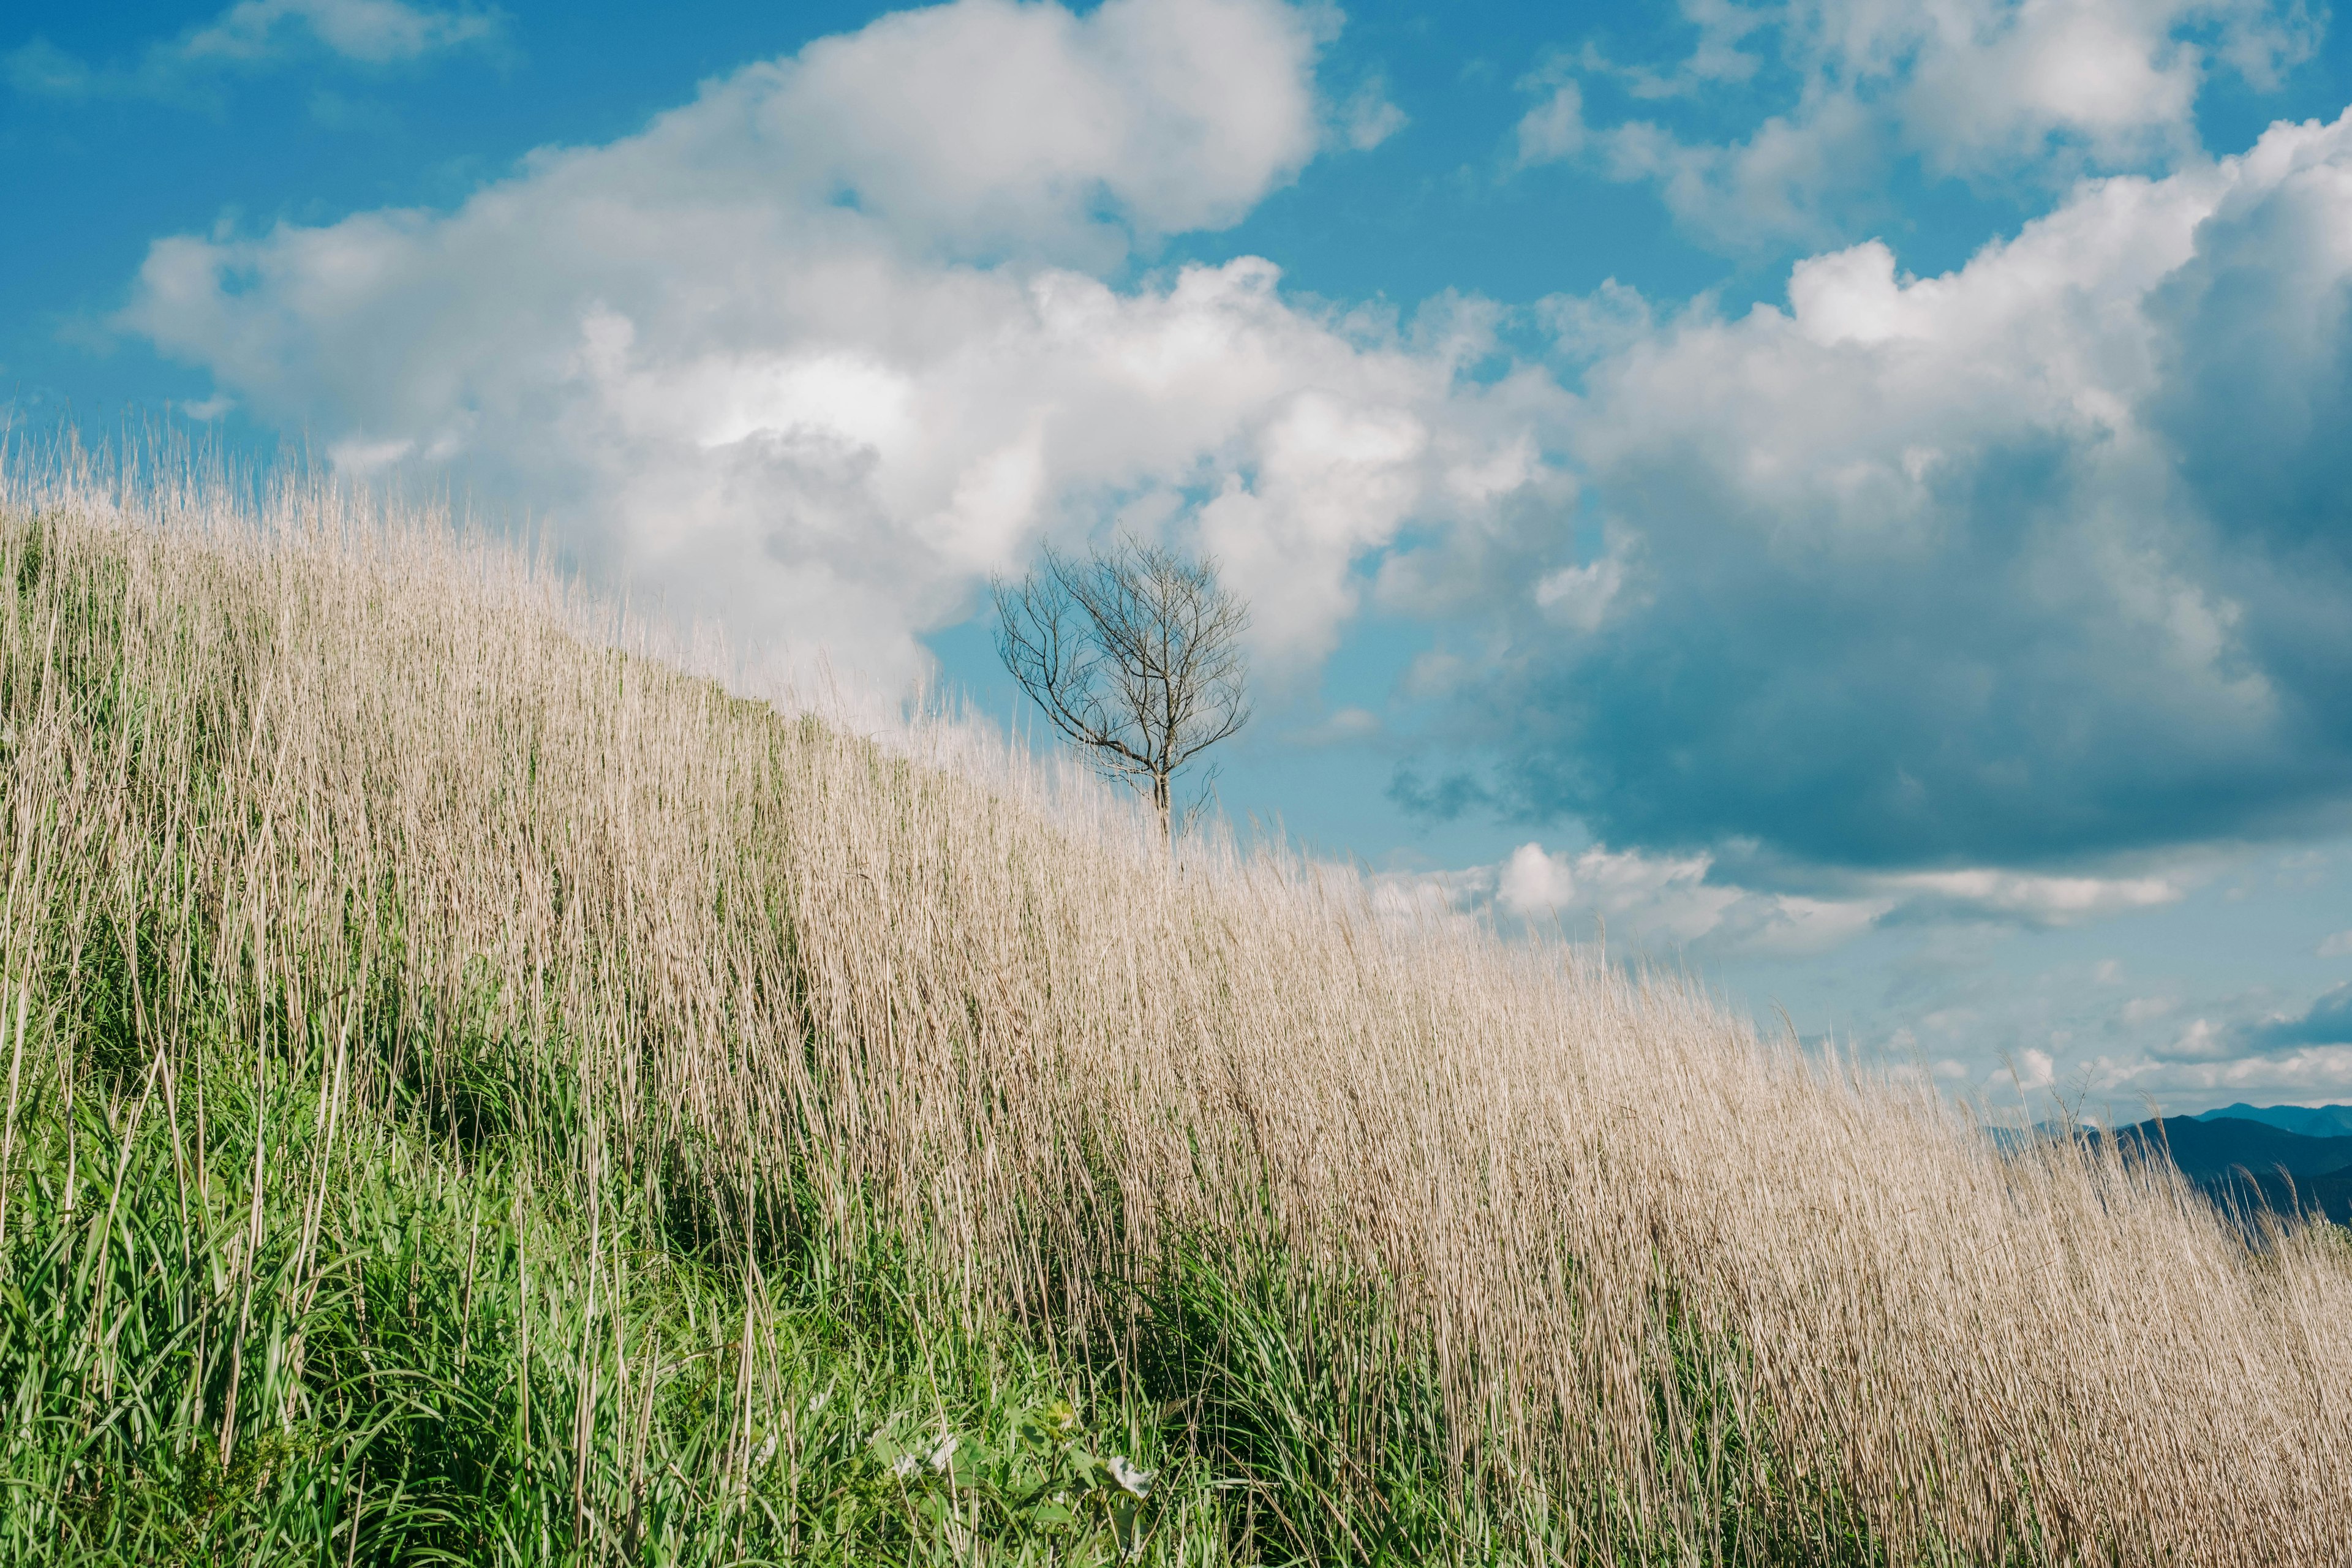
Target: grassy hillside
pixel 478 1095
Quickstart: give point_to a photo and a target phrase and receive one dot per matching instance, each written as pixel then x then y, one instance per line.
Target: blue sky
pixel 1853 496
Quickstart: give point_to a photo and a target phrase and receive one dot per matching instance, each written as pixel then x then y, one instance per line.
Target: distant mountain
pixel 2311 1121
pixel 2198 1146
pixel 2254 1162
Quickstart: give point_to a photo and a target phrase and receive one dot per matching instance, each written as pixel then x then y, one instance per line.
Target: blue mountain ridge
pixel 2250 1164
pixel 2311 1121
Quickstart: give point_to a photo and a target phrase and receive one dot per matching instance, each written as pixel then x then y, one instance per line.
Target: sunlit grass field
pixel 477 1092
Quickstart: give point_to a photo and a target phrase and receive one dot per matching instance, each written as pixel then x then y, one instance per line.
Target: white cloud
pixel 1685 901
pixel 820 350
pixel 1446 899
pixel 2027 561
pixel 1974 89
pixel 1585 327
pixel 359 457
pixel 1579 596
pixel 2336 946
pixel 253 33
pixel 1650 898
pixel 2311 1074
pixel 989 123
pixel 2041 900
pixel 1553 130
pixel 1654 901
pixel 2034 1069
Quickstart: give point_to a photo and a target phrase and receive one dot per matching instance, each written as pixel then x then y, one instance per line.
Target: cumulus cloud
pixel 1974 89
pixel 2033 1070
pixel 1977 998
pixel 1988 893
pixel 1697 902
pixel 256 33
pixel 2310 1075
pixel 821 348
pixel 1554 129
pixel 2043 558
pixel 1652 898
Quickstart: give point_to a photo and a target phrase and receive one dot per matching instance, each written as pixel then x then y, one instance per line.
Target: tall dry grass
pixel 1676 1288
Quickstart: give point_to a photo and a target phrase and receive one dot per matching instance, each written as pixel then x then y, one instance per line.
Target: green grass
pixel 442 1349
pixel 431 1356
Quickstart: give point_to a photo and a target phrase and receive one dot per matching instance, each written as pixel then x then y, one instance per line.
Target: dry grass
pixel 1677 1290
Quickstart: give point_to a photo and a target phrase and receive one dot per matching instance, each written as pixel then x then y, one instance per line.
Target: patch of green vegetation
pixel 391 1345
pixel 392 1349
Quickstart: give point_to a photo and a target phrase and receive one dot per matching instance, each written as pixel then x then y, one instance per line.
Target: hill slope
pixel 423 995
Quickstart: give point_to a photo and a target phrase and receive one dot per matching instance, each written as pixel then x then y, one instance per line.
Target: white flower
pixel 816 1402
pixel 1129 1478
pixel 943 1454
pixel 767 1450
pixel 903 1465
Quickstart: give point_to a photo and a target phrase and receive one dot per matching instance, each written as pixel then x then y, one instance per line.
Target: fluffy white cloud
pixel 1949 998
pixel 2036 559
pixel 2310 1075
pixel 2183 1054
pixel 2033 1070
pixel 987 123
pixel 1554 129
pixel 1973 88
pixel 1688 902
pixel 1988 893
pixel 1648 898
pixel 254 32
pixel 821 348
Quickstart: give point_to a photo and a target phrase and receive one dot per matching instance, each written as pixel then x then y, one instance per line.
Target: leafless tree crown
pixel 1134 653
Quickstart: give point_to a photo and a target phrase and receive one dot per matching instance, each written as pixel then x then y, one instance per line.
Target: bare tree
pixel 1134 654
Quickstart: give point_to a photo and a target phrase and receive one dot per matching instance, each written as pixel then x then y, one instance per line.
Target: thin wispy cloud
pixel 254 36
